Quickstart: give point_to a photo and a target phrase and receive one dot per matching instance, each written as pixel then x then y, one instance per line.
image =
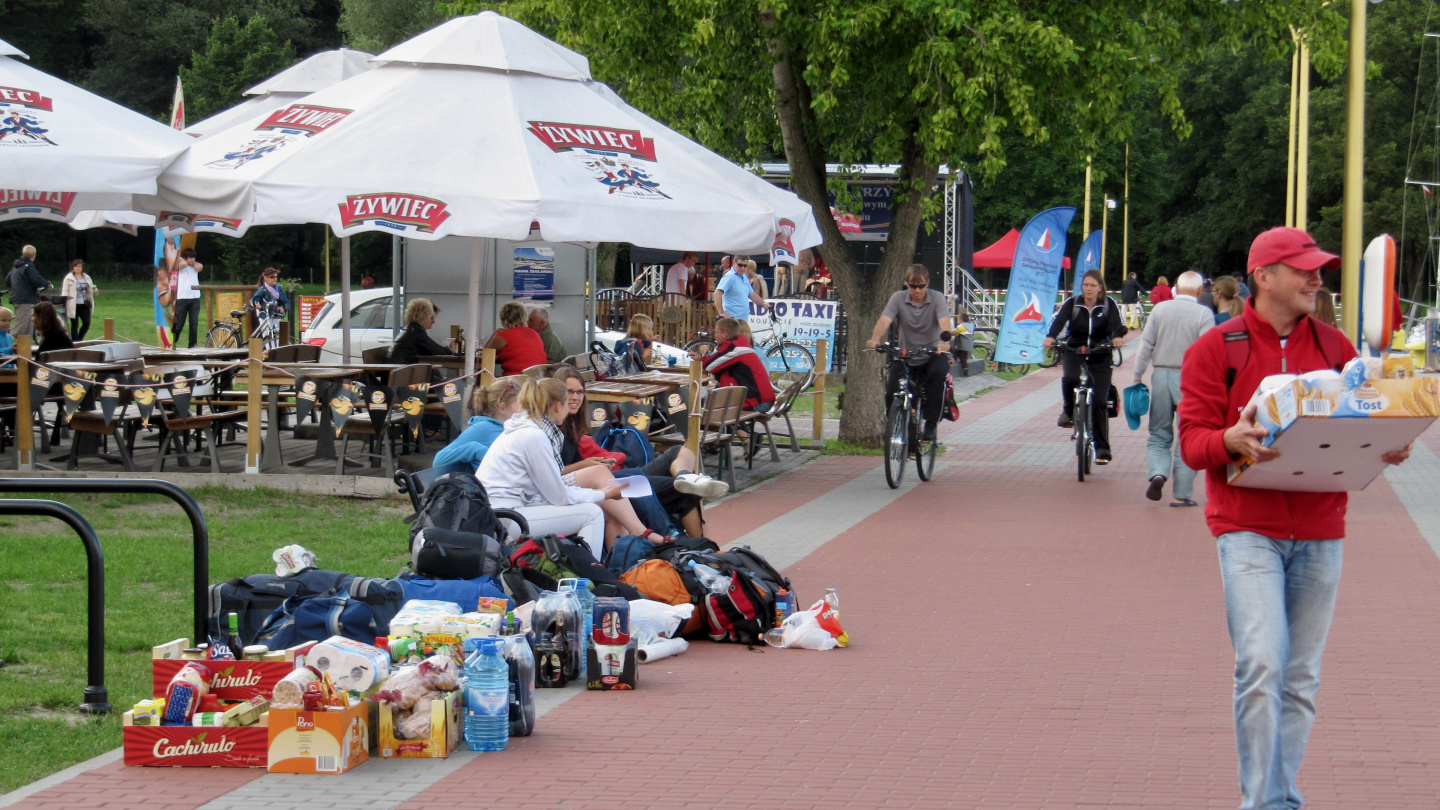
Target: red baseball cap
pixel 1291 246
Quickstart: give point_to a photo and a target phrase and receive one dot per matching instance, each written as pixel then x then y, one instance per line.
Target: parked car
pixel 372 324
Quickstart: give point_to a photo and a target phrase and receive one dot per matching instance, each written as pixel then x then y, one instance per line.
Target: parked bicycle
pixel 788 360
pixel 904 421
pixel 230 335
pixel 1084 413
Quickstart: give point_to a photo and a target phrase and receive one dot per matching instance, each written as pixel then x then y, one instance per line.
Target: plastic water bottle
pixel 487 697
pixel 521 661
pixel 710 579
pixel 587 607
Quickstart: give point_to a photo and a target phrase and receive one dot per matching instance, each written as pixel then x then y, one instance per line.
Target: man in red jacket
pixel 1279 552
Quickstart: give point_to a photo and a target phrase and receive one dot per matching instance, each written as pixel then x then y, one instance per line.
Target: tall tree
pixel 377 25
pixel 235 56
pixel 918 83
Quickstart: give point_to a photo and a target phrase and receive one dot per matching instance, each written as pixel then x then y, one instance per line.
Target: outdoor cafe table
pixel 273 380
pixel 158 355
pixel 673 379
pixel 90 442
pixel 611 391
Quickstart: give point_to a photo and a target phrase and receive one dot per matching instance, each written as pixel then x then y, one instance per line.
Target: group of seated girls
pixel 534 454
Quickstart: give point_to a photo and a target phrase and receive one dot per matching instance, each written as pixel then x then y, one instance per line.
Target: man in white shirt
pixel 1173 327
pixel 187 295
pixel 677 281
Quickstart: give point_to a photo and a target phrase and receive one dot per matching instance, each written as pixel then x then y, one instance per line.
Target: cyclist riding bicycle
pixel 270 304
pixel 922 315
pixel 1084 322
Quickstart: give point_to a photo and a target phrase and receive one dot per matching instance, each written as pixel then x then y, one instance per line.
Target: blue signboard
pixel 535 273
pixel 1089 258
pixel 1034 282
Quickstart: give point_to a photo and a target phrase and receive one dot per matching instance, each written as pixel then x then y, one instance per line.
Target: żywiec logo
pixel 622 160
pixel 23 128
pixel 217 223
pixel 303 119
pixel 26 98
pixel 403 212
pixel 783 248
pixel 56 203
pixel 565 137
pixel 284 127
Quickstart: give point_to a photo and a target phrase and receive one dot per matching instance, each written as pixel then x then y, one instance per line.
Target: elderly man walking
pixel 1174 326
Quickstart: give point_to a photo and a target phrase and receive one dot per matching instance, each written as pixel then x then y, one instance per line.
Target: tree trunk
pixel 605 254
pixel 862 422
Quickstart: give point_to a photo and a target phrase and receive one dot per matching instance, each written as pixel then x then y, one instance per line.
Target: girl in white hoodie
pixel 521 471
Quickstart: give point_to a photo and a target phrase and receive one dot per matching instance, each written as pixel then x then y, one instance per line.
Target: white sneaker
pixel 702 485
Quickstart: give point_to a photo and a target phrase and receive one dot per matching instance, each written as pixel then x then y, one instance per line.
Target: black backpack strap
pixel 1237 349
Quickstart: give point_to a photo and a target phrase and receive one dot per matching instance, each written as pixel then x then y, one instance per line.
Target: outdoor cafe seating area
pixel 125 406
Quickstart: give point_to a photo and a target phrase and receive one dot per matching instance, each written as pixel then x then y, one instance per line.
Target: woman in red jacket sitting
pixel 516 345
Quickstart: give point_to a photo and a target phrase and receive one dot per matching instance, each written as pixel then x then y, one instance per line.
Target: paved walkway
pixel 1021 640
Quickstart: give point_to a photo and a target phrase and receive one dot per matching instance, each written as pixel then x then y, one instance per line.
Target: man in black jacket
pixel 25 286
pixel 1131 291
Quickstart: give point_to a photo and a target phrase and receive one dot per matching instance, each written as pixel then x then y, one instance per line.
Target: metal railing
pixel 200 533
pixel 96 699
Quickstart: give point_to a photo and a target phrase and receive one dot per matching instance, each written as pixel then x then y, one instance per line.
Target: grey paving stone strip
pixel 382 784
pixel 1417 484
pixel 994 426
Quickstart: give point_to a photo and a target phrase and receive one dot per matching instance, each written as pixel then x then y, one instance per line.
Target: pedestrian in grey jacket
pixel 25 286
pixel 1173 327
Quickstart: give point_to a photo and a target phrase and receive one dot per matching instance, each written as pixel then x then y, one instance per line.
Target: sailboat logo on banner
pixel 1031 312
pixel 1044 242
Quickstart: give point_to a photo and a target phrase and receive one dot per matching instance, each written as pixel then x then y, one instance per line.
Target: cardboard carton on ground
pixel 195 747
pixel 447 723
pixel 230 680
pixel 320 742
pixel 604 677
pixel 1332 439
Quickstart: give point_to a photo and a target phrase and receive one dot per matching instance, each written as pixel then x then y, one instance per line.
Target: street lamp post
pixel 1352 228
pixel 1109 206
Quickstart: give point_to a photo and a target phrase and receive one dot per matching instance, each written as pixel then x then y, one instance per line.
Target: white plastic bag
pixel 666 619
pixel 802 629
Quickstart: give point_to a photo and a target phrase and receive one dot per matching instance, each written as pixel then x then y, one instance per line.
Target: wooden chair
pixel 123 426
pixel 718 419
pixel 177 422
pixel 360 423
pixel 780 410
pixel 307 353
pixel 415 484
pixel 379 354
pixel 677 428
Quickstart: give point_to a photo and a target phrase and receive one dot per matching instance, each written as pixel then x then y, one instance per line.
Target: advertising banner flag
pixel 1089 258
pixel 1034 283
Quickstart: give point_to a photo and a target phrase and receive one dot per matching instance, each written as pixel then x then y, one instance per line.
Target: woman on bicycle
pixel 922 314
pixel 269 299
pixel 1084 322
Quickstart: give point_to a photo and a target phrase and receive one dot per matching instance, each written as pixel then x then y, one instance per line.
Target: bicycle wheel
pixel 924 456
pixel 701 346
pixel 222 336
pixel 897 443
pixel 1082 436
pixel 793 362
pixel 1051 358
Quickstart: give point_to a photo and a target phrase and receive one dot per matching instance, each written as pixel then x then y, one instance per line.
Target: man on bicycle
pixel 922 316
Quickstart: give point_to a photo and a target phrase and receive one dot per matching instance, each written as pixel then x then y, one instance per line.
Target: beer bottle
pixel 233 640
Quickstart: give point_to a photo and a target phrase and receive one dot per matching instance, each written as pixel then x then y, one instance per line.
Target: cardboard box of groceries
pixel 321 741
pixel 1333 432
pixel 197 747
pixel 447 724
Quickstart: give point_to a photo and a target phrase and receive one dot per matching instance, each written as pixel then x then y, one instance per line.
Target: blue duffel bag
pixel 464 592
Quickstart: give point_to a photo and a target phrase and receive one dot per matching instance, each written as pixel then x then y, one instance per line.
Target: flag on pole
pixel 1089 258
pixel 1034 281
pixel 177 109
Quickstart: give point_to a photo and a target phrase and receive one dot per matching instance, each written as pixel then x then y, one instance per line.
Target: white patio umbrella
pixel 60 139
pixel 313 73
pixel 482 128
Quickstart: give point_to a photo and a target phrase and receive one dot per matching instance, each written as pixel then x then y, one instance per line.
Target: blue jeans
pixel 1279 597
pixel 1162 451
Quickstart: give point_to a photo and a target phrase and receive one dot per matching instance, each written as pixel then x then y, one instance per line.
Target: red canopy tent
pixel 1002 253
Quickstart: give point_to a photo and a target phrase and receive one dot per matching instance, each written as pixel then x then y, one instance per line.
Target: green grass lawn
pixel 147 545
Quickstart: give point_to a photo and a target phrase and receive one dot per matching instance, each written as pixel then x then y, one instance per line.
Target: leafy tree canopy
pixel 235 57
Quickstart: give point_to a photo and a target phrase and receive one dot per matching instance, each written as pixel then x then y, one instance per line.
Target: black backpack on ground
pixel 458 503
pixel 444 554
pixel 254 598
pixel 747 610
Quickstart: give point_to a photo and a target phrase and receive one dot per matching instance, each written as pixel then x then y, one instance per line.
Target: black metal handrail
pixel 142 486
pixel 97 698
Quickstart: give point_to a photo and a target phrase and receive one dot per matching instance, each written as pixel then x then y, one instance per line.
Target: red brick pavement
pixel 1021 640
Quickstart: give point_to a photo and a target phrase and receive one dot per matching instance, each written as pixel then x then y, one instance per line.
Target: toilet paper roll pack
pixel 351 665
